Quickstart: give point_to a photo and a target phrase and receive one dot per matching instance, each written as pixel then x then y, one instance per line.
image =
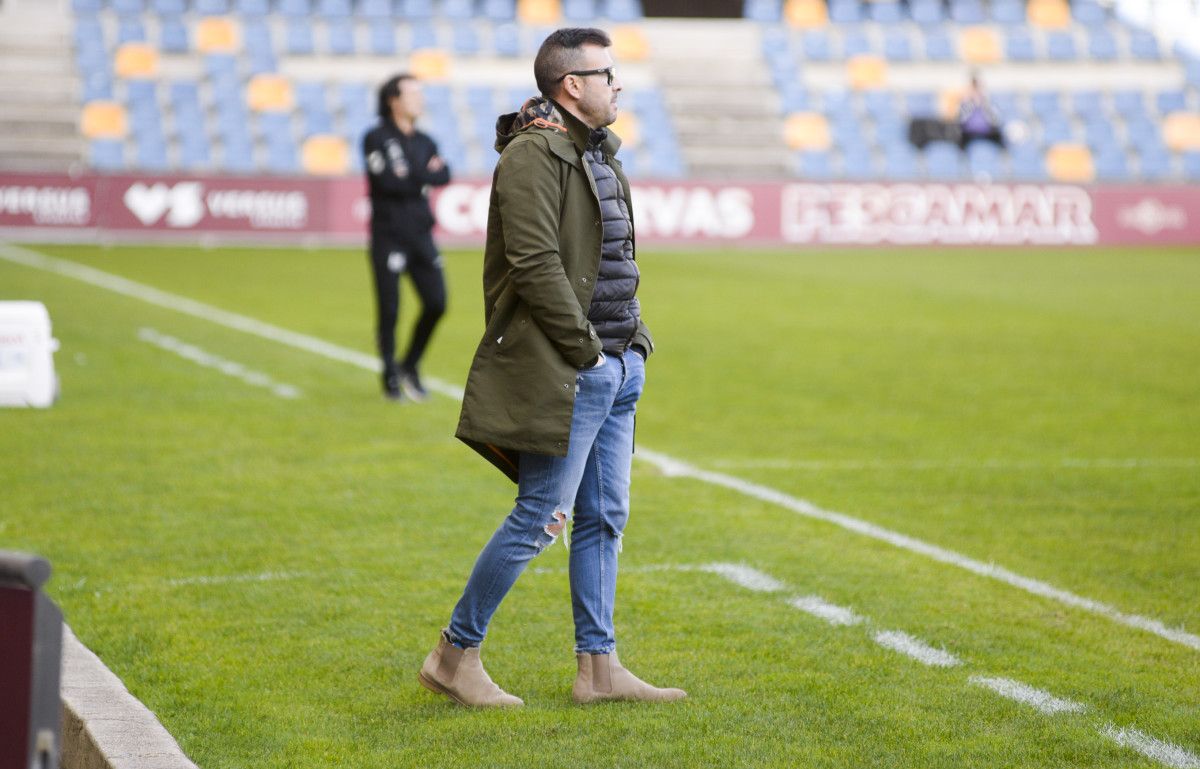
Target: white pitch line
pixel 744 576
pixel 916 648
pixel 1165 753
pixel 209 360
pixel 1042 701
pixel 230 579
pixel 1129 463
pixel 831 613
pixel 667 465
pixel 677 469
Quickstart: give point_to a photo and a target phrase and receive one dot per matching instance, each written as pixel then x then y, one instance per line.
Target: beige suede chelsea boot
pixel 459 674
pixel 601 677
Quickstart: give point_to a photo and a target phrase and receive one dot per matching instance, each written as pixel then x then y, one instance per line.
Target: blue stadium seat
pixel 1046 104
pixel 1100 136
pixel 1171 101
pixel 1191 70
pixel 334 9
pixel 859 165
pixel 310 95
pixel 1144 45
pixel 252 9
pixel 382 38
pixel 845 11
pixel 424 35
pixel 944 162
pixel 87 6
pixel 210 7
pixel 128 7
pixel 97 84
pixel 1191 166
pixel 817 46
pixel 107 154
pixel 130 30
pixel 256 34
pixel 1155 165
pixel 465 40
pixel 814 165
pixel 377 10
pixel 341 36
pixel 897 46
pixel 261 61
pixel 1056 130
pixel 886 11
pixel 169 7
pixel 1129 103
pixel 623 10
pixel 355 99
pixel 498 10
pixel 880 105
pixel 921 104
pixel 194 155
pixel 1026 162
pixel 1008 11
pixel 1112 166
pixel 901 163
pixel 417 9
pixel 1088 12
pixel 928 12
pixel 577 10
pixel 142 92
pixel 1007 104
pixel 766 11
pixel 967 12
pixel 294 8
pixel 459 10
pixel 1060 46
pixel 1019 45
pixel 796 97
pixel 856 41
pixel 1088 105
pixel 1143 134
pixel 173 36
pixel 939 46
pixel 985 161
pixel 273 126
pixel 1102 45
pixel 298 38
pixel 151 155
pixel 776 39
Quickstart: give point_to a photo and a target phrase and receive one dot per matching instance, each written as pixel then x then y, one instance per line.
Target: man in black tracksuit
pixel 402 163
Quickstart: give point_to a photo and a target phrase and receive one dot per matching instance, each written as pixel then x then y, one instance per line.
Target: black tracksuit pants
pixel 390 258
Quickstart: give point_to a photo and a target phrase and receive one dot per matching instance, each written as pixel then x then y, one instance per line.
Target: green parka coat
pixel 544 237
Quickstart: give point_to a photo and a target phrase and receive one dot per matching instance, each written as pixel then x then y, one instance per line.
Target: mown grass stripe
pixel 667 465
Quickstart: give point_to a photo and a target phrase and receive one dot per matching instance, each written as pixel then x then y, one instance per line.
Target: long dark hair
pixel 388 91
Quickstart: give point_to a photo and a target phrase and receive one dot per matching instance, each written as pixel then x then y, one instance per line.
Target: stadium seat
pixel 130 30
pixel 252 9
pixel 1171 101
pixel 1069 162
pixel 815 165
pixel 623 10
pixel 1051 14
pixel 1191 71
pixel 423 35
pixel 866 71
pixel 1129 103
pixel 215 34
pixel 845 11
pixel 967 12
pixel 901 163
pixel 334 9
pixel 927 12
pixel 210 7
pixel 172 8
pixel 859 165
pixel 464 40
pixel 979 45
pixel 806 14
pixel 1155 165
pixel 1100 135
pixel 1089 12
pixel 325 155
pixel 382 39
pixel 985 161
pixel 270 93
pixel 1181 131
pixel 498 10
pixel 429 64
pixel 1191 166
pixel 107 154
pixel 856 42
pixel 807 131
pixel 299 9
pixel 104 120
pixel 897 45
pixel 136 60
pixel 1060 46
pixel 128 7
pixel 816 46
pixel 298 37
pixel 341 36
pixel 939 46
pixel 87 6
pixel 1143 45
pixel 1112 166
pixel 173 36
pixel 1026 162
pixel 539 11
pixel 629 43
pixel 921 104
pixel 885 11
pixel 944 162
pixel 375 10
pixel 1007 11
pixel 1088 105
pixel 1019 45
pixel 1102 45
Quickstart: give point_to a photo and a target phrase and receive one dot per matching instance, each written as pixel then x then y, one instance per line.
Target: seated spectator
pixel 977 118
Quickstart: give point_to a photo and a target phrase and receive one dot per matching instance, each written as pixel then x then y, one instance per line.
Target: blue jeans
pixel 587 489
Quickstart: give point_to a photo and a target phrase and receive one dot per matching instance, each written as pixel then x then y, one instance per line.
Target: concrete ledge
pixel 104 726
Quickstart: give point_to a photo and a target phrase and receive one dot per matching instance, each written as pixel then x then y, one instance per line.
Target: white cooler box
pixel 27 375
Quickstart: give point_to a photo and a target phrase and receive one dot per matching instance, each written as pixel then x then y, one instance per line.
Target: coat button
pixel 566 386
pixel 583 281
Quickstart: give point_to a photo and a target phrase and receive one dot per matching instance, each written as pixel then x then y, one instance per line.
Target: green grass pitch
pixel 267 573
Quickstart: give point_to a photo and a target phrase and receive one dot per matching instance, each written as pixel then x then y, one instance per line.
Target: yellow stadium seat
pixel 216 34
pixel 1049 13
pixel 949 101
pixel 270 93
pixel 430 64
pixel 806 14
pixel 539 11
pixel 629 44
pixel 104 120
pixel 629 129
pixel 807 131
pixel 979 45
pixel 865 72
pixel 1070 163
pixel 325 155
pixel 1181 131
pixel 136 60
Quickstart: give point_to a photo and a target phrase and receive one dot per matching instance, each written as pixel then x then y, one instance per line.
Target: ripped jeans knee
pixel 557 525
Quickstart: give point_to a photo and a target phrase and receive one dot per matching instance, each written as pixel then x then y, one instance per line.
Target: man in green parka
pixel 553 387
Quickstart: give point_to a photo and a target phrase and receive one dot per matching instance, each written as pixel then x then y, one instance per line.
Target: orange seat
pixel 979 45
pixel 216 34
pixel 270 93
pixel 1181 131
pixel 543 12
pixel 136 60
pixel 325 155
pixel 104 120
pixel 430 64
pixel 949 101
pixel 806 14
pixel 807 131
pixel 629 44
pixel 629 129
pixel 1054 14
pixel 1070 163
pixel 866 72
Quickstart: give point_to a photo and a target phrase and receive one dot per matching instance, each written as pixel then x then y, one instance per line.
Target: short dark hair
pixel 388 91
pixel 560 54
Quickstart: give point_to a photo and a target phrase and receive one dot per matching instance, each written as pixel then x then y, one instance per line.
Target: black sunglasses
pixel 607 71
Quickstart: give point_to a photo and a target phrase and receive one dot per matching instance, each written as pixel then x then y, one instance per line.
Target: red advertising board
pixel 665 213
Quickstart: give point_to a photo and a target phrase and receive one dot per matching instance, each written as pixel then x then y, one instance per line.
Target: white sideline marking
pixel 880 464
pixel 1043 702
pixel 225 366
pixel 1165 753
pixel 915 648
pixel 831 613
pixel 674 468
pixel 667 465
pixel 267 576
pixel 744 576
